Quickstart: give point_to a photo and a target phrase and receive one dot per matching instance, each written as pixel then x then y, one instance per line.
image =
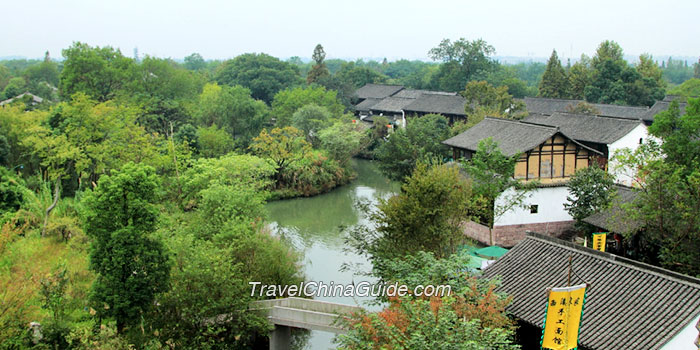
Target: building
pixel 605 134
pixel 547 154
pixel 27 96
pixel 549 106
pixel 629 305
pixel 396 103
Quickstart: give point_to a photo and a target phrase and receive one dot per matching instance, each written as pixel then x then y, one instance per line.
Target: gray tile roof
pixel 438 104
pixel 629 305
pixel 392 104
pixel 367 104
pixel 659 107
pixel 614 219
pixel 550 106
pixel 512 137
pixel 377 91
pixel 584 127
pixel 412 93
pixel 35 99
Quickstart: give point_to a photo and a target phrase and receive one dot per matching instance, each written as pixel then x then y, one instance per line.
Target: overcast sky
pixel 350 28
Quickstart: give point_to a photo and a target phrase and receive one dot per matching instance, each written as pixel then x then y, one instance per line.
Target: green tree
pixel 491 173
pixel 283 146
pixel 484 99
pixel 214 142
pixel 233 109
pixel 425 216
pixel 342 141
pixel 357 76
pixel 689 88
pixel 580 75
pixel 11 192
pixel 591 189
pixel 195 62
pixel 288 101
pixel 97 72
pixel 14 87
pixel 463 61
pixel 419 140
pixel 319 70
pixel 131 266
pixel 650 69
pixel 554 83
pixel 311 119
pixel 263 74
pixel 422 325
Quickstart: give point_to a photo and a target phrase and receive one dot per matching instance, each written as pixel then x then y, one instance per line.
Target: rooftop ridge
pixel 637 265
pixel 511 121
pixel 631 120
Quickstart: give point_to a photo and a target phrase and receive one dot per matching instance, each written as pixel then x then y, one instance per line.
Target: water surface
pixel 313 225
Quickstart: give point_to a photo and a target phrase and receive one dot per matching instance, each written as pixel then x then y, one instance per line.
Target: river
pixel 313 226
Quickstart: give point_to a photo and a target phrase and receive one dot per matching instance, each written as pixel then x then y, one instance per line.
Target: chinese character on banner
pixel 563 317
pixel 599 241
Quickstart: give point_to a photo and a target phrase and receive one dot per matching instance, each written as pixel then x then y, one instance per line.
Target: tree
pixel 263 74
pixel 580 77
pixel 233 109
pixel 195 62
pixel 422 325
pixel 484 99
pixel 97 72
pixel 649 69
pixel 319 70
pixel 668 199
pixel 425 216
pixel 131 267
pixel 342 141
pixel 696 70
pixel 689 88
pixel 284 146
pixel 311 119
pixel 615 82
pixel 288 101
pixel 419 140
pixel 555 83
pixel 11 192
pixel 463 61
pixel 14 87
pixel 492 178
pixel 591 189
pixel 214 142
pixel 357 76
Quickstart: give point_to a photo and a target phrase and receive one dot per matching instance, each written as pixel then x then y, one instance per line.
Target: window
pixel 534 208
pixel 641 140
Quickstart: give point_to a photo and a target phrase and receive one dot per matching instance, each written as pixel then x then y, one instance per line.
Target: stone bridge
pixel 300 313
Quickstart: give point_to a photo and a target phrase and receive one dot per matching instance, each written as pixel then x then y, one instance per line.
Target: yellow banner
pixel 599 241
pixel 563 318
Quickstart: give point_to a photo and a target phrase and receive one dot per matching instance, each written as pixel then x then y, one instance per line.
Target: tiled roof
pixel 584 127
pixel 412 93
pixel 377 91
pixel 35 99
pixel 550 106
pixel 367 104
pixel 512 136
pixel 629 305
pixel 391 104
pixel 438 104
pixel 614 219
pixel 661 106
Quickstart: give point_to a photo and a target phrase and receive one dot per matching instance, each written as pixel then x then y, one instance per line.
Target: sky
pixel 349 29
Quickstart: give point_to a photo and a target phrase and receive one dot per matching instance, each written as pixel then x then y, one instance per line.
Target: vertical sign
pixel 563 317
pixel 599 241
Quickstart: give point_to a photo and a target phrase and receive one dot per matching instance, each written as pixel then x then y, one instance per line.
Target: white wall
pixel 550 202
pixel 626 176
pixel 685 339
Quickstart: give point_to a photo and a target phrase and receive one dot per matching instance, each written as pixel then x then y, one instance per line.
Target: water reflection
pixel 313 226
